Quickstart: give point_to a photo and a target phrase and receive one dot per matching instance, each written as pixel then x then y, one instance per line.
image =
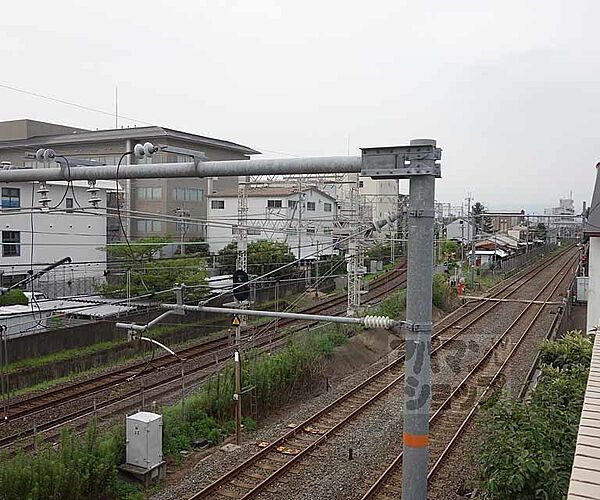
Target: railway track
pixel 452 415
pixel 261 470
pixel 209 354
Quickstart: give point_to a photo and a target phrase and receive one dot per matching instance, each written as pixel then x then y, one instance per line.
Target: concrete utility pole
pixel 417 380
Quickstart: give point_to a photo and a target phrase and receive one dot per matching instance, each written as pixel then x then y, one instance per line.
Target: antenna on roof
pixel 116 107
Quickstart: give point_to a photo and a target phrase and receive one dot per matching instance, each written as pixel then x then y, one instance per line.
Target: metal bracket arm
pixel 418 327
pixel 422 213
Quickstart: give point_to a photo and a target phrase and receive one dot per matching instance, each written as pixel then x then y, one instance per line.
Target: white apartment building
pixel 564 223
pixel 379 198
pixel 42 237
pixel 304 220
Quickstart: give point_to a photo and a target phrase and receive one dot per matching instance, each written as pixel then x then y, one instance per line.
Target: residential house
pixel 304 219
pixel 459 230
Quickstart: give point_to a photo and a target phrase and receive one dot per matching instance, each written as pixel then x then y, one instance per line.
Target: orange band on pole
pixel 416 440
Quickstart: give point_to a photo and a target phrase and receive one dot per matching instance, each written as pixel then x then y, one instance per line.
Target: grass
pixel 393 306
pixel 276 378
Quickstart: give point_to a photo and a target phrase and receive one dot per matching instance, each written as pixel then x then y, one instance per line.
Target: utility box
pixel 144 440
pixel 582 288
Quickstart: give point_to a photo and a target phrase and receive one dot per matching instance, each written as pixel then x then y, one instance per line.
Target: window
pixel 11 243
pixel 360 184
pixel 69 205
pixel 327 230
pixel 274 204
pixel 149 193
pixel 187 194
pixel 11 198
pixel 252 231
pixel 311 230
pixel 217 204
pixel 235 230
pixel 310 205
pixel 292 204
pixel 149 226
pixel 194 228
pixel 327 207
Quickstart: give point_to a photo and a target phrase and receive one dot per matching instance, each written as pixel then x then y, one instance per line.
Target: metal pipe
pixel 366 321
pixel 229 168
pixel 143 328
pixel 417 381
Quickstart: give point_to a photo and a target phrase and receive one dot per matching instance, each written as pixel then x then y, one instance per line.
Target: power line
pixel 104 112
pixel 69 103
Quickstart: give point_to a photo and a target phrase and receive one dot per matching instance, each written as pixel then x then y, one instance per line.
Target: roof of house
pixel 134 133
pixel 501 253
pixel 592 223
pixel 499 240
pixel 458 221
pixel 264 192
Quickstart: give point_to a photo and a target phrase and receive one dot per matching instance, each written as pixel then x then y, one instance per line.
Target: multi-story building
pixel 33 239
pixel 303 219
pixel 561 221
pixel 503 221
pixel 143 197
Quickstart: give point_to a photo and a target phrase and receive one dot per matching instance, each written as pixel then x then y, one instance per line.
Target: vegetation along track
pixel 451 415
pixel 209 353
pixel 254 475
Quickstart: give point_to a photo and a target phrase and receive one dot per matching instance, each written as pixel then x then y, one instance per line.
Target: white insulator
pixel 377 322
pixel 150 148
pixel 138 151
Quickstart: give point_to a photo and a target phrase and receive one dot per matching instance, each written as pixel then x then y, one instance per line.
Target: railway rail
pixel 210 353
pixel 261 470
pixel 452 415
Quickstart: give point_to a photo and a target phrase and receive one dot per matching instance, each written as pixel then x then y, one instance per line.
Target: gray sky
pixel 510 89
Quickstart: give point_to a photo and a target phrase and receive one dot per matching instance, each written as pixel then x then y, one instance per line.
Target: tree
pixel 381 251
pixel 482 222
pixel 449 250
pixel 539 231
pixel 150 274
pixel 263 256
pixel 13 297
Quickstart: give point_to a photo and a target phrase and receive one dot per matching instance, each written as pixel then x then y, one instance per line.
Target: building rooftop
pixel 592 223
pixel 266 191
pixel 80 136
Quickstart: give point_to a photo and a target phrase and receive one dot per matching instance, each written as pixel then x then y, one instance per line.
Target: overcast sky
pixel 510 89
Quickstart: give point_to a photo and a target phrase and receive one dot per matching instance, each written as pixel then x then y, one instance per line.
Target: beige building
pixel 158 196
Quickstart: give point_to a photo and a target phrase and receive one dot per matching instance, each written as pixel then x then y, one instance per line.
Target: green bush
pixel 13 297
pixel 393 306
pixel 442 292
pixel 573 349
pixel 80 468
pixel 527 447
